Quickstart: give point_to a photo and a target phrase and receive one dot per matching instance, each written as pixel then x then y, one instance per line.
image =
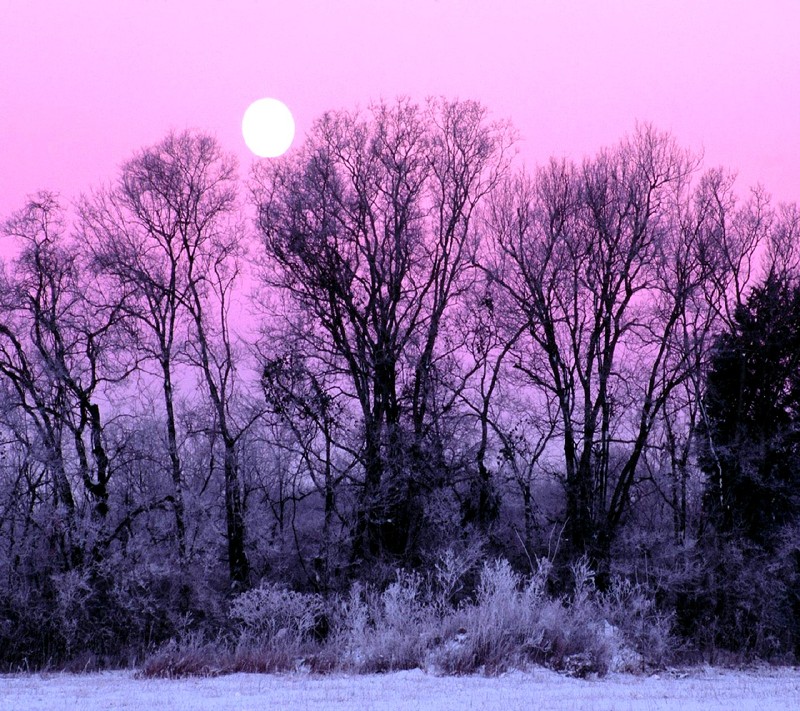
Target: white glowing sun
pixel 268 128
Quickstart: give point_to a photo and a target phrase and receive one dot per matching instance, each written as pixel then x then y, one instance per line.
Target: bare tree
pixel 595 260
pixel 60 349
pixel 213 247
pixel 369 229
pixel 165 236
pixel 137 251
pixel 308 424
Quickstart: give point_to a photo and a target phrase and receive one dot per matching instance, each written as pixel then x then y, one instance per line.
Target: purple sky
pixel 83 83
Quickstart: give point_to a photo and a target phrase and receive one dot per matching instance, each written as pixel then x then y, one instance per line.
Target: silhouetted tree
pixel 751 439
pixel 60 348
pixel 595 261
pixel 167 236
pixel 368 228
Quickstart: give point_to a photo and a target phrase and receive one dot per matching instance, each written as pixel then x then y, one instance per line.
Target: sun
pixel 268 128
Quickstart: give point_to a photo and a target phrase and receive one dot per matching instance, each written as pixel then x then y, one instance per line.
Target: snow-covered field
pixel 540 690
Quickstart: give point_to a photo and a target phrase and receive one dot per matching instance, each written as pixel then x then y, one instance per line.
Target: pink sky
pixel 83 83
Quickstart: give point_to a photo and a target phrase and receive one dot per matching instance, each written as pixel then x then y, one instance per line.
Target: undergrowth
pixel 509 622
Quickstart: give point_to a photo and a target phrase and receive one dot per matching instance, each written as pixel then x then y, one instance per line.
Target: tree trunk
pixel 238 564
pixel 174 458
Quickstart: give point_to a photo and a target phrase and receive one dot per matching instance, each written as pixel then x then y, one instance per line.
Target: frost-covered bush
pixel 383 631
pixel 513 622
pixel 270 612
pixel 73 591
pixel 191 655
pixel 510 621
pixel 619 629
pixel 631 615
pixel 493 633
pixel 450 571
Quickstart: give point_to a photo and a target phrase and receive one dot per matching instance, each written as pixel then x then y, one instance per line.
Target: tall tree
pixel 166 236
pixel 369 228
pixel 59 350
pixel 751 441
pixel 596 262
pixel 213 250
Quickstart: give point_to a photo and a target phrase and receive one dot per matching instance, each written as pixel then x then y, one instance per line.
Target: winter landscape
pixel 434 354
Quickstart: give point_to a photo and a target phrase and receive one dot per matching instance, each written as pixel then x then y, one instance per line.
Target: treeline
pixel 444 361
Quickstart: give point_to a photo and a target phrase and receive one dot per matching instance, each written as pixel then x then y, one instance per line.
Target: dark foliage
pixel 751 442
pixel 746 599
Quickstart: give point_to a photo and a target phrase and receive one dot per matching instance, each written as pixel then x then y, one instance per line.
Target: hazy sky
pixel 83 83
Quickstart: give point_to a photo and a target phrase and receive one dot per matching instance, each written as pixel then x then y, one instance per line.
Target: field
pixel 540 690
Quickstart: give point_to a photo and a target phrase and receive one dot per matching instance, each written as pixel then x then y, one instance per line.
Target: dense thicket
pixel 401 359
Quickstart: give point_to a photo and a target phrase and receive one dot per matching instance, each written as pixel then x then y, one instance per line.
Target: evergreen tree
pixel 751 437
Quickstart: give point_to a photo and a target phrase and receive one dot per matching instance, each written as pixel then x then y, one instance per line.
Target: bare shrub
pixel 451 569
pixel 194 656
pixel 72 593
pixel 490 634
pixel 632 615
pixel 510 623
pixel 272 613
pixel 190 656
pixel 378 632
pixel 572 639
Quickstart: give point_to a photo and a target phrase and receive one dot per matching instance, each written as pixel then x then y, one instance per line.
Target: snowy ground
pixel 541 690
